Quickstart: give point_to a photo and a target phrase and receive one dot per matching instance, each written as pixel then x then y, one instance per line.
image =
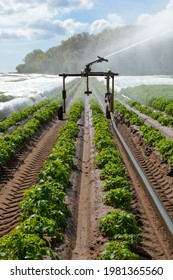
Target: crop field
pixel 86 186
pixel 18 91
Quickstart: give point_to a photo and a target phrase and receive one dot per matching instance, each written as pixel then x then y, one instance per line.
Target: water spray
pixel 139 43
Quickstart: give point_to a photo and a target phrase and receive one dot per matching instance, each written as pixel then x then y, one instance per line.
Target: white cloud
pixel 159 22
pixel 112 21
pixel 43 19
pixel 36 19
pixel 52 6
pixel 47 29
pixel 71 25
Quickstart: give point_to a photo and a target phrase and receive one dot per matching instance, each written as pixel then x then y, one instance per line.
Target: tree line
pixel 70 56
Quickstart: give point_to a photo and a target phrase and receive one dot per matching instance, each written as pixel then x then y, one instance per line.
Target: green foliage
pixel 165 147
pixel 35 62
pixel 44 211
pixel 157 115
pixel 75 111
pixel 103 136
pixel 101 131
pixel 165 120
pixel 169 109
pixel 112 170
pixel 152 136
pixel 10 143
pixel 118 225
pixel 160 104
pixel 44 208
pixel 76 51
pixel 129 115
pixel 117 182
pixel 65 153
pixel 69 130
pixel 46 201
pixel 104 142
pixel 56 170
pixel 16 117
pixel 118 222
pixel 131 239
pixel 156 96
pixel 41 226
pixel 118 198
pixel 106 155
pixel 19 245
pixel 118 251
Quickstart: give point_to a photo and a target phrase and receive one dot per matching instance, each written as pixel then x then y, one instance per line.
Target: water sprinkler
pixel 88 66
pixel 109 97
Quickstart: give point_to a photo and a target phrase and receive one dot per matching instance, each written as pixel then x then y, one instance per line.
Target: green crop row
pixel 158 97
pixel 165 105
pixel 149 95
pixel 160 117
pixel 11 142
pixel 43 211
pixel 16 117
pixel 151 134
pixel 119 225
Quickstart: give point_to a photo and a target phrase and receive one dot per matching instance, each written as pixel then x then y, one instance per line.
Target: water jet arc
pixel 139 43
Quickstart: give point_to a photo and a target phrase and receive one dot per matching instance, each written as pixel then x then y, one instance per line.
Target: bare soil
pixel 154 238
pixel 83 239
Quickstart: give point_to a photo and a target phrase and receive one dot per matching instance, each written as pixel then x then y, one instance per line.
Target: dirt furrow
pixel 154 239
pixel 155 171
pixel 83 239
pixel 24 177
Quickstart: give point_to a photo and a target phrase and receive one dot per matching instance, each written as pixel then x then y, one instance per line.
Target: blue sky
pixel 26 25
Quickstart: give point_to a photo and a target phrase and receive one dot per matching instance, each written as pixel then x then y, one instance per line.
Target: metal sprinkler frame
pixel 109 96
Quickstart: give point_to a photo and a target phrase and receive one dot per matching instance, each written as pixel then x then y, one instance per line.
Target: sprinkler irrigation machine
pixel 109 95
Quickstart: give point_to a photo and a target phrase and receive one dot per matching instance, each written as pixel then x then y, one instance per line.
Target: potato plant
pixel 117 182
pixel 151 134
pixel 119 225
pixel 118 198
pixel 19 245
pixel 159 116
pixel 118 222
pixel 16 117
pixel 44 211
pixel 11 142
pixel 118 251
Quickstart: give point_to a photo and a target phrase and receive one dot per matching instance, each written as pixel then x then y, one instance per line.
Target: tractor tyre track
pixel 155 241
pixel 20 178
